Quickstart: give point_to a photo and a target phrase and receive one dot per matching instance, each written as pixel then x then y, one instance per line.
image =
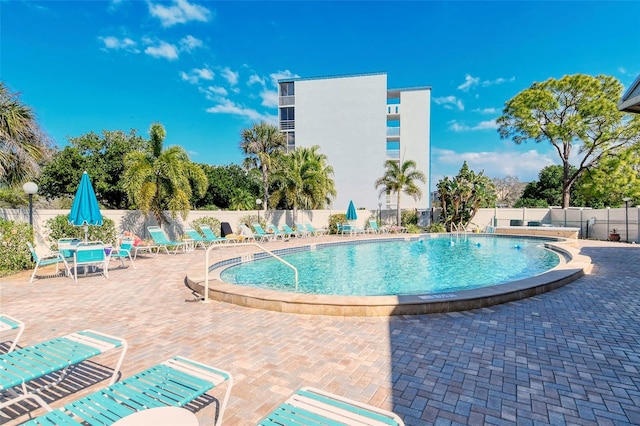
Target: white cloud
pixel 115 43
pixel 281 75
pixel 486 110
pixel 189 43
pixel 472 82
pixel 483 125
pixel 255 79
pixel 469 82
pixel 269 98
pixel 227 106
pixel 197 74
pixel 179 13
pixel 215 93
pixel 449 102
pixel 231 76
pixel 524 165
pixel 163 50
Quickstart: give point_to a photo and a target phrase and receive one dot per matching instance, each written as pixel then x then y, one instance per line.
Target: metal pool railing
pixel 206 264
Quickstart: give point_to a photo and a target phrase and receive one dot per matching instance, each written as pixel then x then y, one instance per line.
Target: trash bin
pixel 516 222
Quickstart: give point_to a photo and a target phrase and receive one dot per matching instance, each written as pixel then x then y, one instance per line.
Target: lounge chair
pixel 309 406
pixel 259 232
pixel 211 237
pixel 51 258
pixel 123 251
pixel 173 383
pixel 292 233
pixel 35 362
pixel 302 230
pixel 163 242
pixel 198 240
pixel 8 323
pixel 373 226
pixel 90 254
pixel 277 233
pixel 350 228
pixel 249 235
pixel 313 231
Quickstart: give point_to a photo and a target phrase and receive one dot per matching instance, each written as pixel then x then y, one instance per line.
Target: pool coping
pixel 572 266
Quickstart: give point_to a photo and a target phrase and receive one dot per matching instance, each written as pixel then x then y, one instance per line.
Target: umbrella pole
pixel 86 233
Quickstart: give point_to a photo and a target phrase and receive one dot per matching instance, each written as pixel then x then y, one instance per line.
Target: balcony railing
pixel 393 154
pixel 287 100
pixel 287 124
pixel 393 131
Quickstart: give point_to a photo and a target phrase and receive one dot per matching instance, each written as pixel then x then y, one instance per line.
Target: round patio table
pixel 160 416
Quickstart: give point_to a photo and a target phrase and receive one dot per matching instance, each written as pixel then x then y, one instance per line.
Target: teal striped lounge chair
pixel 260 233
pixel 173 383
pixel 287 230
pixel 35 362
pixel 313 231
pixel 302 230
pixel 7 324
pixel 163 242
pixel 198 240
pixel 277 233
pixel 211 237
pixel 309 406
pixel 123 251
pixel 52 258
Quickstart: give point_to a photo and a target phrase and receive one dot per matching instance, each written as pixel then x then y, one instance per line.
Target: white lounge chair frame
pixel 8 323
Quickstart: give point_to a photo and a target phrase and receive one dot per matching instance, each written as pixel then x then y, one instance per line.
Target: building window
pixel 291 141
pixel 287 118
pixel 286 89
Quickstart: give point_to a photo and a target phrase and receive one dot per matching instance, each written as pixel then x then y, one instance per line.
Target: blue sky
pixel 207 69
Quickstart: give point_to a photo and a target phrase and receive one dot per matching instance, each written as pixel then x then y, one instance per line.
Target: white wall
pixel 346 117
pixel 415 141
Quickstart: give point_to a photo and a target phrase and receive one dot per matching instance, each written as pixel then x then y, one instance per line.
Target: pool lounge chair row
pixel 174 383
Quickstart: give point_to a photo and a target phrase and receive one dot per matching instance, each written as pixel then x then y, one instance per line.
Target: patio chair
pixel 259 232
pixel 292 233
pixel 91 254
pixel 163 242
pixel 173 383
pixel 373 226
pixel 314 231
pixel 57 355
pixel 302 230
pixel 211 237
pixel 51 258
pixel 198 240
pixel 123 251
pixel 310 406
pixel 8 323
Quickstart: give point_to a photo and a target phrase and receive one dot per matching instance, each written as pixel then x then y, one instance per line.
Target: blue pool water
pixel 427 266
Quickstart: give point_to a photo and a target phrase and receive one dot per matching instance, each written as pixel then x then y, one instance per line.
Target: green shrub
pixel 413 229
pixel 334 220
pixel 59 227
pixel 409 217
pixel 213 223
pixel 436 228
pixel 14 252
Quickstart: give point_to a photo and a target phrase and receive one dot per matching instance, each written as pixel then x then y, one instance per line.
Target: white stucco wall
pixel 346 117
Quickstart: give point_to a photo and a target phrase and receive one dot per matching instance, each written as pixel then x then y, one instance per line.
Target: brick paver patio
pixel 571 356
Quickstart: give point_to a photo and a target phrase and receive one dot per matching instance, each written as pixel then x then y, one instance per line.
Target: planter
pixel 614 237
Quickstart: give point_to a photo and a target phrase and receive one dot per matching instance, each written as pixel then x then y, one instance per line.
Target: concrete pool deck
pixel 570 356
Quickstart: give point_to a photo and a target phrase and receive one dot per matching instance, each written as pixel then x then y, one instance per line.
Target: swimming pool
pixel 399 267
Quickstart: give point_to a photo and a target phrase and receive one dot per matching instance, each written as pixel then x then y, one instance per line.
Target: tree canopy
pixel 223 181
pixel 462 196
pixel 259 144
pixel 158 179
pixel 401 178
pixel 24 145
pixel 101 156
pixel 575 113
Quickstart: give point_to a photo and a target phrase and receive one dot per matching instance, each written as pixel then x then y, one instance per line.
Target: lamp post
pixel 626 216
pixel 30 188
pixel 258 203
pixel 380 213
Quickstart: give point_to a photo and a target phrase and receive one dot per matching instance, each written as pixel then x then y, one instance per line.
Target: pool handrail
pixel 206 265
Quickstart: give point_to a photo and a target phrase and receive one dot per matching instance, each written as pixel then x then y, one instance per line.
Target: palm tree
pixel 303 180
pixel 157 180
pixel 399 178
pixel 23 144
pixel 259 144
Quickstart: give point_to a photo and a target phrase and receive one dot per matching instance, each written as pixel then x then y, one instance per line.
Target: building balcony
pixel 287 124
pixel 286 100
pixel 393 154
pixel 393 109
pixel 393 131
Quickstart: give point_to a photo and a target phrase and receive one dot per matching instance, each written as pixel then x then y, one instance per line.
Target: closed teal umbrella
pixel 351 211
pixel 85 210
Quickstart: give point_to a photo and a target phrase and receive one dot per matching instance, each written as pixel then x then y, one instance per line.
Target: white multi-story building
pixel 359 124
